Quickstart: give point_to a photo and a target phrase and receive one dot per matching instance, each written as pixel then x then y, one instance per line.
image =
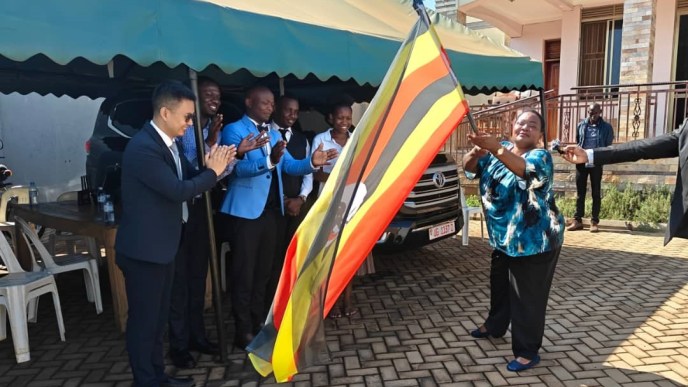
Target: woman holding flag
pixel 525 229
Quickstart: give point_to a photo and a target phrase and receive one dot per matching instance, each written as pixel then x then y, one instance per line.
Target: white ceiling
pixel 511 15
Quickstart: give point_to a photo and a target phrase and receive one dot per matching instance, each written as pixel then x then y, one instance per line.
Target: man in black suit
pixel 186 327
pixel 673 144
pixel 157 180
pixel 296 188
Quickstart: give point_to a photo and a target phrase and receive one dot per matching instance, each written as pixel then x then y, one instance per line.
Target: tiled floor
pixel 618 315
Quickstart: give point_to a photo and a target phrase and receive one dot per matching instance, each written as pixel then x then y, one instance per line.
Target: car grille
pixel 436 191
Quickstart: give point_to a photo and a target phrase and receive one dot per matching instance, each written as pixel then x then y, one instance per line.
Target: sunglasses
pixel 189 117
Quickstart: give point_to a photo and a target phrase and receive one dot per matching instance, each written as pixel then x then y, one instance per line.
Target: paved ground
pixel 618 316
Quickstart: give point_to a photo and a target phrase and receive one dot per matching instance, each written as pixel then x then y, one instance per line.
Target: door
pixel 681 102
pixel 552 55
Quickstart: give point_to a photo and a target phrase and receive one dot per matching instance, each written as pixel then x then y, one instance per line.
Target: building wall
pixel 570 49
pixel 665 41
pixel 532 41
pixel 447 7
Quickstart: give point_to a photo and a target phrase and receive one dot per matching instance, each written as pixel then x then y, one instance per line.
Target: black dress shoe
pixel 178 382
pixel 206 347
pixel 183 360
pixel 242 341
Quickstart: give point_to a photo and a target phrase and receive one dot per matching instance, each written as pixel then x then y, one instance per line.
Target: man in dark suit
pixel 157 181
pixel 186 327
pixel 296 188
pixel 254 204
pixel 665 146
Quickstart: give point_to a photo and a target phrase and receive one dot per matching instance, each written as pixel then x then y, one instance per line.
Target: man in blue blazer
pixel 254 203
pixel 157 180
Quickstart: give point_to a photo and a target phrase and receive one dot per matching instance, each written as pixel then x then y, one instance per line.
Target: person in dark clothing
pixel 661 147
pixel 296 188
pixel 157 183
pixel 592 132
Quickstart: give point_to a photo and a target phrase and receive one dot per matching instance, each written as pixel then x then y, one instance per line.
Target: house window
pixel 600 49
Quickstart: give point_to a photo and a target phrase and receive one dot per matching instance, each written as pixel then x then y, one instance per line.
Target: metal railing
pixel 634 111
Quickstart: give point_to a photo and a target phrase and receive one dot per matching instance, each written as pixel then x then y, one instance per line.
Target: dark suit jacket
pixel 152 195
pixel 665 146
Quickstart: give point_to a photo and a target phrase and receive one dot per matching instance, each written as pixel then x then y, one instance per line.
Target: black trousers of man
pixel 188 289
pixel 582 173
pixel 519 290
pixel 286 226
pixel 148 286
pixel 254 245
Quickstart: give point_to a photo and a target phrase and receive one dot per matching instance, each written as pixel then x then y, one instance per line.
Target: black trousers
pixel 582 174
pixel 518 295
pixel 148 287
pixel 254 246
pixel 286 226
pixel 188 287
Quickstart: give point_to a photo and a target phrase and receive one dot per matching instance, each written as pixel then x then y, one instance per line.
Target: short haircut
pixel 340 106
pixel 205 80
pixel 256 89
pixel 537 113
pixel 285 97
pixel 169 93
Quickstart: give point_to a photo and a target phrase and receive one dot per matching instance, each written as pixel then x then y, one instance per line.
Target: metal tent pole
pixel 214 268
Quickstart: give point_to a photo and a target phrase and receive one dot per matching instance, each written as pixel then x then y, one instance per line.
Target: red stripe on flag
pixel 382 212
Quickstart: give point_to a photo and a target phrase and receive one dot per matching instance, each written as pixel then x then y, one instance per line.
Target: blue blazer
pixel 150 226
pixel 249 183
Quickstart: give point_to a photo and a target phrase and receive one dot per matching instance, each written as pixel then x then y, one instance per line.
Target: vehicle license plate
pixel 442 230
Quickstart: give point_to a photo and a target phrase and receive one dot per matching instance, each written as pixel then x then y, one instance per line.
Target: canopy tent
pixel 85 47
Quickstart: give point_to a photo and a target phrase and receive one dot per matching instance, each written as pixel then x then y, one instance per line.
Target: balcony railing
pixel 634 111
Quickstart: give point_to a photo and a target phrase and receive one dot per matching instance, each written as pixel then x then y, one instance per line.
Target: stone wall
pixel 637 54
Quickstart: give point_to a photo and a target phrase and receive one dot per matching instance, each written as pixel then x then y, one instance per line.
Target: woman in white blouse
pixel 335 138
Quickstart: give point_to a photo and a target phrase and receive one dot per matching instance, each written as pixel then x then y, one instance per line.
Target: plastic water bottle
pixel 101 199
pixel 33 194
pixel 108 211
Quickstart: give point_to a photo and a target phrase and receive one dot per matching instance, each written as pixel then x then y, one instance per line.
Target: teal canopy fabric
pixel 82 47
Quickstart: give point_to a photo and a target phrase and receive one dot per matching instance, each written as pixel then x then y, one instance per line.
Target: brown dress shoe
pixel 575 226
pixel 594 228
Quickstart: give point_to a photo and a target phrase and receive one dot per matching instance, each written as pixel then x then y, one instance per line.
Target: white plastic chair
pixel 22 195
pixel 223 265
pixel 71 240
pixel 467 212
pixel 17 290
pixel 64 263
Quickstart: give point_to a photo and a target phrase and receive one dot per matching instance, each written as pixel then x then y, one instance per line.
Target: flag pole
pixel 423 13
pixel 543 111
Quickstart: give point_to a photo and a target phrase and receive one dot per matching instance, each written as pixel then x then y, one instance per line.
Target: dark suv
pixel 118 119
pixel 430 213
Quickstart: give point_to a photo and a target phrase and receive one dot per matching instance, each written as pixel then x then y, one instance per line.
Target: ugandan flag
pixel 418 105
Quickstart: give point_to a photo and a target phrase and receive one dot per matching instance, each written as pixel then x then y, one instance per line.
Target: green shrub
pixel 473 201
pixel 655 206
pixel 647 207
pixel 566 205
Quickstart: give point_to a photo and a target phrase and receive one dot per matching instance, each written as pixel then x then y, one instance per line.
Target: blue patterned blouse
pixel 522 218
